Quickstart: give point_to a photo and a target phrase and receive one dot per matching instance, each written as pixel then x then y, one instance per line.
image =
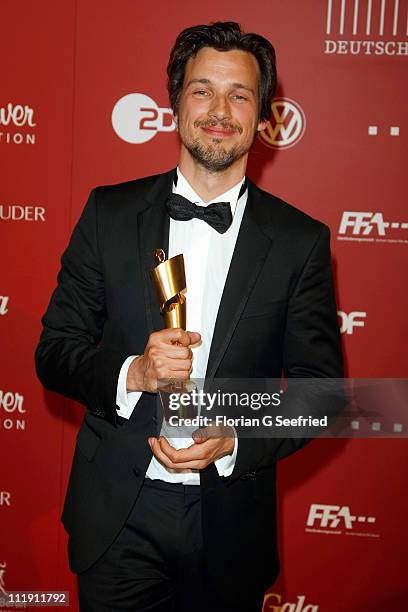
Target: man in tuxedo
pixel 158 523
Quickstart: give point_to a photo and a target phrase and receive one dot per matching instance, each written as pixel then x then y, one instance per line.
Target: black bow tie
pixel 218 215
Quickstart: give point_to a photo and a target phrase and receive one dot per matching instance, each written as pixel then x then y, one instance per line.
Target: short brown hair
pixel 223 36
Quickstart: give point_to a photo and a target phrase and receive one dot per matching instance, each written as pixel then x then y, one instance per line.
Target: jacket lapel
pixel 251 249
pixel 153 233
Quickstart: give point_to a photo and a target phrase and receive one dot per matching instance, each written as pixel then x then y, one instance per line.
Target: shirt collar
pixel 183 188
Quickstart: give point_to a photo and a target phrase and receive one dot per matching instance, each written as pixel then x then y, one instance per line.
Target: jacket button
pixel 154 419
pixel 136 472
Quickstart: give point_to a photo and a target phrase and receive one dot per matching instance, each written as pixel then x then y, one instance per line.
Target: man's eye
pixel 239 97
pixel 201 92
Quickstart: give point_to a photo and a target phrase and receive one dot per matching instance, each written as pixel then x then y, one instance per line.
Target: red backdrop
pixel 334 149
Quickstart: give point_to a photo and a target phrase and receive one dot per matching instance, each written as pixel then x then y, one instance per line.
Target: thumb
pixel 200 435
pixel 194 337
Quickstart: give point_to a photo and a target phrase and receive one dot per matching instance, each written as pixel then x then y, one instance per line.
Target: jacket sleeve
pixel 311 350
pixel 69 358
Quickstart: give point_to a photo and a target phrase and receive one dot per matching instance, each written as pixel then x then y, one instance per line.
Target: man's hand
pixel 210 443
pixel 167 355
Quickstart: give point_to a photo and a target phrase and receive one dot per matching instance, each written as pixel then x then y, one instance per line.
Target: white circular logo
pixel 136 118
pixel 286 126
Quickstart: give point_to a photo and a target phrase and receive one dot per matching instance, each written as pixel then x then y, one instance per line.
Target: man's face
pixel 218 111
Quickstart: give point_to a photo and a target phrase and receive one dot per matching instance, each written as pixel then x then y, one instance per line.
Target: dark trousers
pixel 155 564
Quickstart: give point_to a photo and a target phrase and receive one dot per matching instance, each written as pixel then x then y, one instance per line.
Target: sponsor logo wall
pixel 350 320
pixel 16 124
pixel 369 27
pixel 337 520
pixel 2 584
pixel 17 212
pixel 5 498
pixel 12 410
pixel 274 602
pixel 286 126
pixel 334 147
pixel 4 299
pixel 371 227
pixel 136 118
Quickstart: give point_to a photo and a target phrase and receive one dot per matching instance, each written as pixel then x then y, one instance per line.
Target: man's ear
pixel 175 119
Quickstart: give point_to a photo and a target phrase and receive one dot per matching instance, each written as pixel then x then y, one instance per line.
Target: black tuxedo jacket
pixel 277 312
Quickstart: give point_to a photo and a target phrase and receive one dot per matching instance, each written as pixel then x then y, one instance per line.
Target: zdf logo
pixel 286 125
pixel 351 320
pixel 136 118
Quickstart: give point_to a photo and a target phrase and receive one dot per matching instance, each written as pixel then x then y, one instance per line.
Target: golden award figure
pixel 169 280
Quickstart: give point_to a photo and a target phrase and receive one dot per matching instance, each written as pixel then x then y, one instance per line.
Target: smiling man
pixel 217 114
pixel 157 523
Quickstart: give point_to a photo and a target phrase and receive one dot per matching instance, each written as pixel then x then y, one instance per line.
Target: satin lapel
pixel 251 249
pixel 153 233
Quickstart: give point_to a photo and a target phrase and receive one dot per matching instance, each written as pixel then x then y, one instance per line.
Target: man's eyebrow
pixel 202 81
pixel 208 82
pixel 242 86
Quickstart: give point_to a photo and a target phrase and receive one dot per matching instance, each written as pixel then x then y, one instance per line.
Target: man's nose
pixel 220 108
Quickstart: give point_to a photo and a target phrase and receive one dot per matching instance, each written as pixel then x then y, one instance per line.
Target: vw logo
pixel 286 126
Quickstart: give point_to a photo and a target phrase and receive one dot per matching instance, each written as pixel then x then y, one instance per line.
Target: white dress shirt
pixel 207 257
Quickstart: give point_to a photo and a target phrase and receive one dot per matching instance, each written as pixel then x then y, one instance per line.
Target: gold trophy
pixel 169 280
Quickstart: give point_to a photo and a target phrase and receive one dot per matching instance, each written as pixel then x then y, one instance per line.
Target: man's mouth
pixel 218 131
